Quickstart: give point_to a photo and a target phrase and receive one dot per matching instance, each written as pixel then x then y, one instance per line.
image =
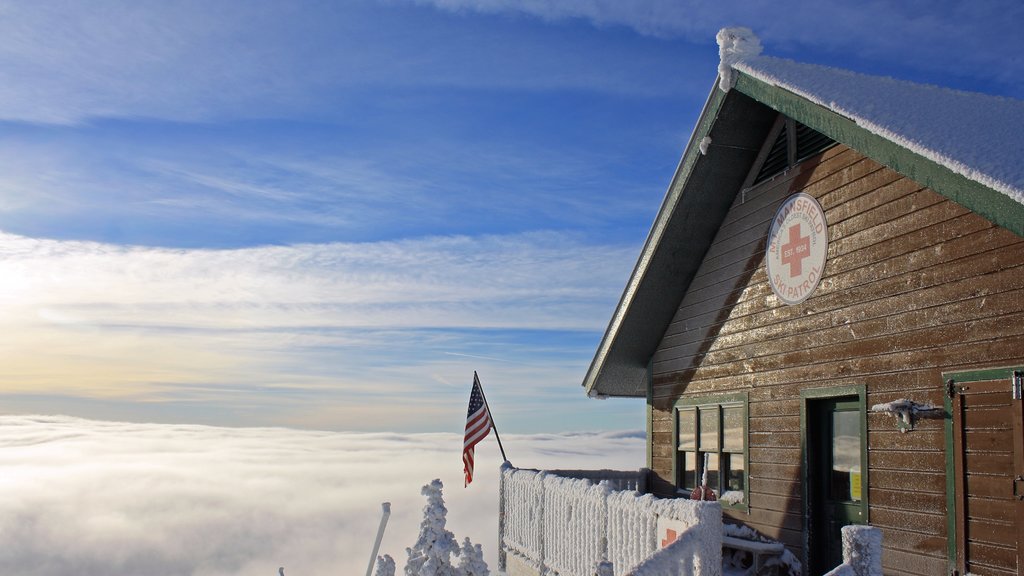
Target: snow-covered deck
pixel 566 522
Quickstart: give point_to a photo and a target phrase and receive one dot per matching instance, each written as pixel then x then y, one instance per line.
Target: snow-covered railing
pixel 680 558
pixel 618 479
pixel 551 524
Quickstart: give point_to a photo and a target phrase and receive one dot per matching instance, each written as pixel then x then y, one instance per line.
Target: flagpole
pixel 493 426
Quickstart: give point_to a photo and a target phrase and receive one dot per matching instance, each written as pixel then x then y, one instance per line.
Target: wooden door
pixel 988 472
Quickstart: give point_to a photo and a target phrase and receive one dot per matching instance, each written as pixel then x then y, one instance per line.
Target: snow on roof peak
pixel 976 135
pixel 734 46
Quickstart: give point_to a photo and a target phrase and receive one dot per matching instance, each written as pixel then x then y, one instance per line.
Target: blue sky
pixel 328 214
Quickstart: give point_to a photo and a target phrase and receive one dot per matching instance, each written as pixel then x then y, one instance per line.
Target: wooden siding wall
pixel 914 284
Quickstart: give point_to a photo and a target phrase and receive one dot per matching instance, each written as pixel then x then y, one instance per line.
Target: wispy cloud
pixel 974 39
pixel 91 498
pixel 335 335
pixel 156 184
pixel 64 62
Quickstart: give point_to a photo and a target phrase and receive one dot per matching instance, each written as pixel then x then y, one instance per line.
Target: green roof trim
pixel 991 204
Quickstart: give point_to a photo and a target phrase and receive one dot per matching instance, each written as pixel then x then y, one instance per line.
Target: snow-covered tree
pixel 432 553
pixel 385 566
pixel 471 560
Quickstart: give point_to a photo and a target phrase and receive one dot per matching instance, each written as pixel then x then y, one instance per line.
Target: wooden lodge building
pixel 833 243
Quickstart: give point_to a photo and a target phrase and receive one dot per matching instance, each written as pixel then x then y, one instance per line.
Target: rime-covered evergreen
pixel 471 560
pixel 432 553
pixel 385 566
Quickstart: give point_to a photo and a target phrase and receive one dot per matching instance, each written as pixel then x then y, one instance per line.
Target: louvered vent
pixel 777 160
pixel 808 143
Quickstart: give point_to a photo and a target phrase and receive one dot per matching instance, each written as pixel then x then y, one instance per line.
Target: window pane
pixel 688 429
pixel 709 429
pixel 713 476
pixel 846 456
pixel 734 480
pixel 688 476
pixel 732 429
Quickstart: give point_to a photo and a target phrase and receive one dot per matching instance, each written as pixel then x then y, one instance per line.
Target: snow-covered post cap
pixel 862 549
pixel 734 46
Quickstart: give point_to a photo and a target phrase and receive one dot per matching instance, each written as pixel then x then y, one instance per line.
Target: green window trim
pixel 809 395
pixel 722 446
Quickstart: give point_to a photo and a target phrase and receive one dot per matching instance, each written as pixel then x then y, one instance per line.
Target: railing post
pixel 501 518
pixel 540 517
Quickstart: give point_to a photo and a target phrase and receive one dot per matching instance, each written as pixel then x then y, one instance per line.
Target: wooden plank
pixel 898 562
pixel 775 424
pixel 992 532
pixel 930 461
pixel 772 518
pixel 776 503
pixel 785 488
pixel 994 417
pixel 989 509
pixel 992 557
pixel 775 471
pixel 989 486
pixel 761 404
pixel 925 545
pixel 774 439
pixel 906 479
pixel 896 440
pixel 923 522
pixel 989 441
pixel 903 499
pixel 990 399
pixel 774 455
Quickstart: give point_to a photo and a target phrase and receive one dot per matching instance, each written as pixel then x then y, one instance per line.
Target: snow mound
pixel 734 46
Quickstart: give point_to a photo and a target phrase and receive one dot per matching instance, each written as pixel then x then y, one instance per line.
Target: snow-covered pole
pixel 493 426
pixel 386 508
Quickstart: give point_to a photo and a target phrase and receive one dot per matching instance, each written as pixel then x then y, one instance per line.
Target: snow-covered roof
pixel 964 146
pixel 975 135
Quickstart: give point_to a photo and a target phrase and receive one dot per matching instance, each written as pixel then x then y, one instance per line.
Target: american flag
pixel 478 425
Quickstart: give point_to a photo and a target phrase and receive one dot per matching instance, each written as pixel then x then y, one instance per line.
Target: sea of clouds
pixel 111 498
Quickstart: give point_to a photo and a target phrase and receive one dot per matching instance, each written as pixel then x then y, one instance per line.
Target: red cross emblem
pixel 794 251
pixel 670 537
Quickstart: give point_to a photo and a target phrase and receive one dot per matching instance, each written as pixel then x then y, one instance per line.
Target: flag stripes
pixel 478 425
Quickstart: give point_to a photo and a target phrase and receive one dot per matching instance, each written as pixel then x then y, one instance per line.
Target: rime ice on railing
pixel 567 526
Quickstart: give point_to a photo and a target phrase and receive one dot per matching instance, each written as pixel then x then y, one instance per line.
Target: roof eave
pixel 690 155
pixel 689 218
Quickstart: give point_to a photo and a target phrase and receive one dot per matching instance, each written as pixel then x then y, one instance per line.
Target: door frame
pixel 956 508
pixel 807 396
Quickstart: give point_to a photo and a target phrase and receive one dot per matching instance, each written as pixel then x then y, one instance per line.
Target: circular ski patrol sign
pixel 797 245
